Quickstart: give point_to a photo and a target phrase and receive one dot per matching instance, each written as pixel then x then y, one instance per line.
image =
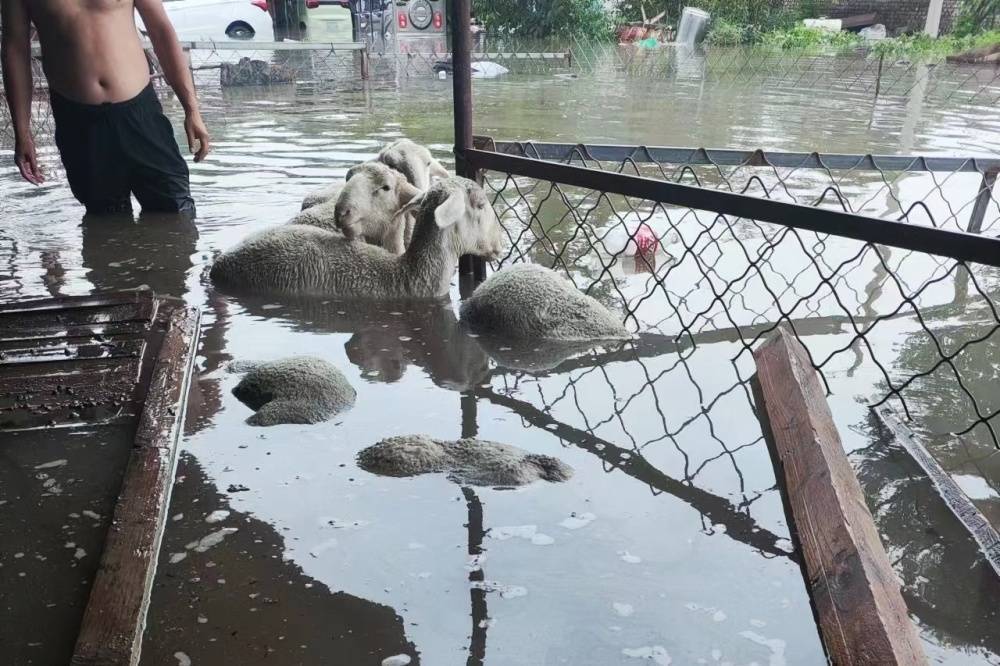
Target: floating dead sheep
pixel 302 389
pixel 466 461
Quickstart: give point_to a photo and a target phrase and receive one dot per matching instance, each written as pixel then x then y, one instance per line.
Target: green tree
pixel 543 18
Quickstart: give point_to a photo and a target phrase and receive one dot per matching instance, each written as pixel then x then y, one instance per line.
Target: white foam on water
pixel 529 532
pixel 578 520
pixel 80 553
pixel 505 591
pixel 397 660
pixel 629 557
pixel 177 557
pixel 210 540
pixel 623 610
pixel 775 645
pixel 52 464
pixel 182 659
pixel 656 654
pixel 216 516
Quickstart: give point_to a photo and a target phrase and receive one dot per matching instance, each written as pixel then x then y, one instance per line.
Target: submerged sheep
pixel 302 389
pixel 528 302
pixel 364 207
pixel 467 461
pixel 454 218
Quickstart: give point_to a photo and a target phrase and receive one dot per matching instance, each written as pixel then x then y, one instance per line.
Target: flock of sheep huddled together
pixel 395 229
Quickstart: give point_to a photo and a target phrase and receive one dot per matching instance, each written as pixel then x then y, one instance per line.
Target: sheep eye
pixel 385 188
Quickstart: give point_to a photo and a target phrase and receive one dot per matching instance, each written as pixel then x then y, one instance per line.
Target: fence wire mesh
pixel 915 329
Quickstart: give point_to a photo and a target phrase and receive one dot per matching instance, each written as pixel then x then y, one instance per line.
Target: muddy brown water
pixel 668 544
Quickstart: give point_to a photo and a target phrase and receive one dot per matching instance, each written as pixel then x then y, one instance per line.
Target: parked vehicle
pixel 196 20
pixel 330 21
pixel 422 26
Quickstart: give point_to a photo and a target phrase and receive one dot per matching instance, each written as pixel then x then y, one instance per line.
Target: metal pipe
pixel 983 200
pixel 578 152
pixel 461 47
pixel 461 60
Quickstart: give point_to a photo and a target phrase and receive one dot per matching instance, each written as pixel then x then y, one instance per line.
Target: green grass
pixel 800 38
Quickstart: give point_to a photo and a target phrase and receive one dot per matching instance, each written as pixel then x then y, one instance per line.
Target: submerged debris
pixel 467 461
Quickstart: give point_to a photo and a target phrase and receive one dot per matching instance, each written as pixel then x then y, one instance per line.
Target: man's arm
pixel 15 51
pixel 175 69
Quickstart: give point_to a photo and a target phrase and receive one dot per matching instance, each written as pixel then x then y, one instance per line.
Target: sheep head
pixel 413 161
pixel 461 211
pixel 371 197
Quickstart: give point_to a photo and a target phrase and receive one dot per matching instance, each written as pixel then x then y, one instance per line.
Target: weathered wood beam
pixel 113 622
pixel 861 614
pixel 956 500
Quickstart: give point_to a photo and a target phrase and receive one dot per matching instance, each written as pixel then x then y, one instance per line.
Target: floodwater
pixel 668 544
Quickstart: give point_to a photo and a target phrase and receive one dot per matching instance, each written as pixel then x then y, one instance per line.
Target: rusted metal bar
pixel 711 157
pixel 111 630
pixel 461 44
pixel 855 593
pixel 983 200
pixel 941 242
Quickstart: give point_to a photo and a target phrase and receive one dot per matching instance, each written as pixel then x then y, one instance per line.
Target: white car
pixel 218 20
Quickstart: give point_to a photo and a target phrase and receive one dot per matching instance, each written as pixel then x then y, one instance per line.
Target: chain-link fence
pixel 895 303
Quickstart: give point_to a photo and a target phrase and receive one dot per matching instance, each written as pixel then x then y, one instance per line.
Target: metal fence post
pixel 983 200
pixel 461 59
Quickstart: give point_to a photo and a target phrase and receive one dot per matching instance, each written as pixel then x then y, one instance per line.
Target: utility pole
pixel 933 25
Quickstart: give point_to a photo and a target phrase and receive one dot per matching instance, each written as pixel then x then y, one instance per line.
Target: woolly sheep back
pixel 301 389
pixel 528 302
pixel 467 461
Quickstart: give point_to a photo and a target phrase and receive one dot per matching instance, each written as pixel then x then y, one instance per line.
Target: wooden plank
pixel 111 631
pixel 76 321
pixel 46 354
pixel 952 495
pixel 854 591
pixel 76 302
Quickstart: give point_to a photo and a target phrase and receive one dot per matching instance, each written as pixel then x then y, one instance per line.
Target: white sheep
pixel 301 389
pixel 365 207
pixel 413 161
pixel 467 461
pixel 454 218
pixel 529 302
pixel 407 157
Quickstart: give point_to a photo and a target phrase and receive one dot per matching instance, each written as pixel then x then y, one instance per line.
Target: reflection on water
pixel 669 538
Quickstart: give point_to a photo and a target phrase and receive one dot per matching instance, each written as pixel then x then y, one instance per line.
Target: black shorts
pixel 116 149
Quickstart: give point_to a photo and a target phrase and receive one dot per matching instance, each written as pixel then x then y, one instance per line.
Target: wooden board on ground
pixel 88 364
pixel 854 591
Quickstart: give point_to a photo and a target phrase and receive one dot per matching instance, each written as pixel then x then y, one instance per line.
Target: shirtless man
pixel 110 129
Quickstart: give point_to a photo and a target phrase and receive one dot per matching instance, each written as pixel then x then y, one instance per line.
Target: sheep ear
pixel 413 205
pixel 438 170
pixel 451 211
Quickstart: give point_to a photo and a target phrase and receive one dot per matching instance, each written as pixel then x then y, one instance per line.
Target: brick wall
pixel 897 15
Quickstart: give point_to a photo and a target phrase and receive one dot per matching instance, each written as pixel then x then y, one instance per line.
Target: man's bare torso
pixel 91 51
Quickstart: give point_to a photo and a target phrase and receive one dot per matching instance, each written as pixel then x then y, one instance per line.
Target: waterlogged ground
pixel 668 544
